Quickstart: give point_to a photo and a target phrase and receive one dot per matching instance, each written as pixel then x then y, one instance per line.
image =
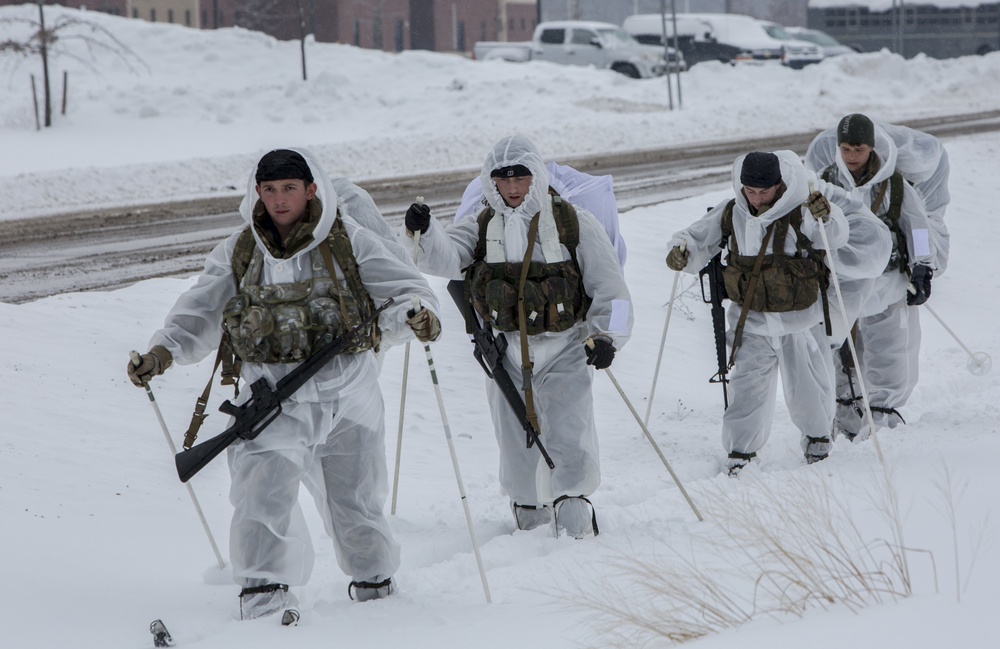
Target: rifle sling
pixel 529 400
pixel 751 289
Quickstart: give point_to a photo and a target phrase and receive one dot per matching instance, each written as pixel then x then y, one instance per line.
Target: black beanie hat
pixel 760 170
pixel 513 171
pixel 856 129
pixel 283 164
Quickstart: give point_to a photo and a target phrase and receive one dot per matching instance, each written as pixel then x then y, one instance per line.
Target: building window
pixel 399 35
pixel 377 34
pixel 135 12
pixel 152 15
pixel 187 17
pixel 204 18
pixel 170 16
pixel 460 36
pixel 357 33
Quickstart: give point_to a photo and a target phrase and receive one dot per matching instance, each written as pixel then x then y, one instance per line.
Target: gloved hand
pixel 600 352
pixel 153 363
pixel 677 258
pixel 818 206
pixel 920 285
pixel 426 326
pixel 418 218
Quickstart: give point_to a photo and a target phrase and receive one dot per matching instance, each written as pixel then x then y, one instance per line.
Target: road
pixel 104 250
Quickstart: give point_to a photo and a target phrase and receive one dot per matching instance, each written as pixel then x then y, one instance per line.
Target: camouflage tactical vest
pixel 554 296
pixel 786 283
pixel 286 323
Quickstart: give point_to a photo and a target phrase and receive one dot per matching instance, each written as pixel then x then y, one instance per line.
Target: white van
pixel 730 38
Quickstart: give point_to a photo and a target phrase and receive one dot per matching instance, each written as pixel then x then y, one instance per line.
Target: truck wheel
pixel 627 69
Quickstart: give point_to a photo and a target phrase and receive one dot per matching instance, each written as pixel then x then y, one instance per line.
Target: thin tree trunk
pixel 45 63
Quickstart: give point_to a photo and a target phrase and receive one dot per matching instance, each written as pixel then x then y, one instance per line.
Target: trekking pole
pixel 979 363
pixel 850 340
pixel 134 355
pixel 454 460
pixel 447 433
pixel 656 447
pixel 402 395
pixel 663 340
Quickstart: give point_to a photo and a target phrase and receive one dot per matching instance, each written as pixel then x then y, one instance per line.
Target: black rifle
pixel 264 404
pixel 489 352
pixel 717 293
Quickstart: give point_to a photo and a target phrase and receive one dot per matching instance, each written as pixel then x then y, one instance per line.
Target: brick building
pixel 390 25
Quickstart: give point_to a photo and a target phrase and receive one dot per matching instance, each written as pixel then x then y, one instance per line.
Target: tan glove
pixel 426 326
pixel 818 206
pixel 677 258
pixel 152 363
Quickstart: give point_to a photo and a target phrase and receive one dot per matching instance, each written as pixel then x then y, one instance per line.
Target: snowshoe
pixel 576 516
pixel 528 517
pixel 376 588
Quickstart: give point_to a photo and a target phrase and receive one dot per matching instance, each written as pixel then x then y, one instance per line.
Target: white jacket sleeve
pixel 610 312
pixel 446 250
pixel 702 238
pixel 386 276
pixel 193 327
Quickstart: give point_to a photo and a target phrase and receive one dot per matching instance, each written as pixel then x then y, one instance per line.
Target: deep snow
pixel 99 538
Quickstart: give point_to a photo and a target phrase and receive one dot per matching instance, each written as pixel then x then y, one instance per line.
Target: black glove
pixel 418 218
pixel 600 352
pixel 920 285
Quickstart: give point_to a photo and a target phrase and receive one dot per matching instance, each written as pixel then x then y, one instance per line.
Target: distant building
pixel 390 25
pixel 786 12
pixel 913 28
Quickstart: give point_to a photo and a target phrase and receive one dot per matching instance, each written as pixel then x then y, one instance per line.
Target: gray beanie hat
pixel 760 169
pixel 856 129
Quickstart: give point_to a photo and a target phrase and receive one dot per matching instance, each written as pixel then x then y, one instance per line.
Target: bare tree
pixel 280 18
pixel 56 40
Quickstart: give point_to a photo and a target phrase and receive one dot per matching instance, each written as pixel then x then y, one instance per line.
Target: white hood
pixel 516 150
pixel 324 192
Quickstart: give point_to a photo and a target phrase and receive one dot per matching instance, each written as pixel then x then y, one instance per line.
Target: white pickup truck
pixel 573 42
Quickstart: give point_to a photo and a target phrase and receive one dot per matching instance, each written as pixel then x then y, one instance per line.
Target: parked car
pixel 572 42
pixel 730 38
pixel 829 45
pixel 798 53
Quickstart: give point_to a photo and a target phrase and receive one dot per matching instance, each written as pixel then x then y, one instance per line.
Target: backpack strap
pixel 727 227
pixel 894 214
pixel 803 244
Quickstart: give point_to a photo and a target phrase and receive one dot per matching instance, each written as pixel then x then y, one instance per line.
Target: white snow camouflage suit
pixel 330 433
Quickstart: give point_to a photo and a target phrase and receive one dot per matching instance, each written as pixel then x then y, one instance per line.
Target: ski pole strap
pixel 748 298
pixel 529 400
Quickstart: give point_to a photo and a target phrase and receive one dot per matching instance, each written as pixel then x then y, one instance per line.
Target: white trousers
pixel 804 363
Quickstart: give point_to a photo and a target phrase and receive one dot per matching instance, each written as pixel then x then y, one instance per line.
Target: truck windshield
pixel 614 37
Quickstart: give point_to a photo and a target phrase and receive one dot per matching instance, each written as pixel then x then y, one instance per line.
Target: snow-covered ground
pixel 98 537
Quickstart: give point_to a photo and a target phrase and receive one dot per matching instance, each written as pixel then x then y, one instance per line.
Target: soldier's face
pixel 513 190
pixel 855 156
pixel 286 201
pixel 758 196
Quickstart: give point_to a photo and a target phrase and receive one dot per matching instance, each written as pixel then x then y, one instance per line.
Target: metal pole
pixel 663 340
pixel 666 52
pixel 173 451
pixel 677 47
